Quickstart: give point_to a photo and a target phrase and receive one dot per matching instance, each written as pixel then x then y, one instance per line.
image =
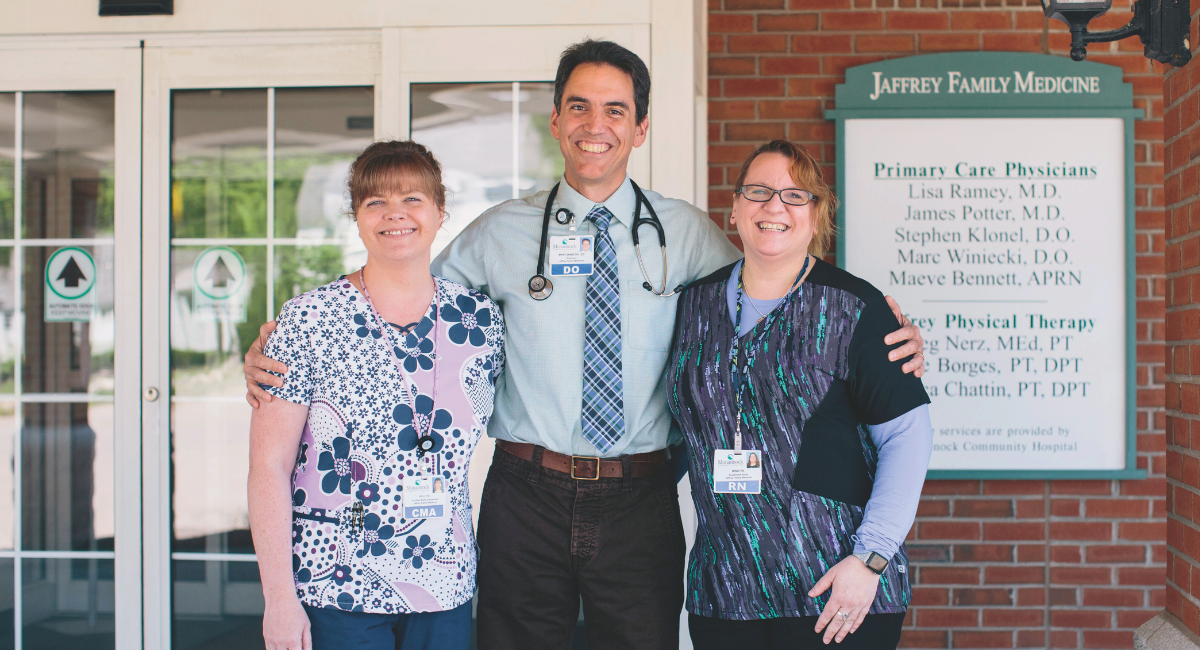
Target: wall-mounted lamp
pixel 1161 24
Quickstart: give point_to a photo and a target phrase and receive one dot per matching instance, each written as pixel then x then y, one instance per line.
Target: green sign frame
pixel 1053 87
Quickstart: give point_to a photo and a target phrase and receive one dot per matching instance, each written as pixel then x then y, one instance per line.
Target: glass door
pixel 247 152
pixel 258 215
pixel 68 353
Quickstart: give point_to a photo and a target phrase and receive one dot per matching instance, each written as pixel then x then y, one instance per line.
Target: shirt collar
pixel 620 204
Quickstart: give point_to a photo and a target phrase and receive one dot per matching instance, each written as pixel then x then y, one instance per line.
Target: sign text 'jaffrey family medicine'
pixel 958 83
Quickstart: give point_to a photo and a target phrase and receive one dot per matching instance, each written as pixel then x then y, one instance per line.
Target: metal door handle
pixel 151 394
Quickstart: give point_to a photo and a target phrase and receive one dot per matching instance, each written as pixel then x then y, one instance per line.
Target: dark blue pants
pixel 337 629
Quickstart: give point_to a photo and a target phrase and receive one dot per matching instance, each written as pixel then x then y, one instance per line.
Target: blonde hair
pixel 806 174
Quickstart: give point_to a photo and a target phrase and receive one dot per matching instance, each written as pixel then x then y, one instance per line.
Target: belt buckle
pixel 594 459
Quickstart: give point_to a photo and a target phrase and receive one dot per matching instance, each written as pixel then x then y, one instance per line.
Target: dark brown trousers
pixel 547 540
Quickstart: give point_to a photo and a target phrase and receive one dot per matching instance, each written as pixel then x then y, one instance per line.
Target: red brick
pixel 945 575
pixel 1141 575
pixel 966 639
pixel 948 530
pixel 753 87
pixel 1116 553
pixel 884 43
pixel 975 20
pixel 983 597
pixel 911 638
pixel 1095 618
pixel 1081 530
pixel 1107 639
pixel 726 23
pixel 996 531
pixel 915 21
pixel 1113 597
pixel 790 65
pixel 1014 574
pixel 821 43
pixel 1081 575
pixel 852 20
pixel 736 110
pixel 1141 531
pixel 754 131
pixel 951 617
pixel 731 65
pixel 924 596
pixel 983 553
pixel 948 42
pixel 1013 617
pixel 1012 42
pixel 786 22
pixel 983 508
pixel 758 43
pixel 1117 508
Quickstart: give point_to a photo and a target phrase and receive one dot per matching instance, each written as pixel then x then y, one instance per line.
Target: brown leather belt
pixel 589 468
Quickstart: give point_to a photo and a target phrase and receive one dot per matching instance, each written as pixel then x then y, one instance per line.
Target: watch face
pixel 877 563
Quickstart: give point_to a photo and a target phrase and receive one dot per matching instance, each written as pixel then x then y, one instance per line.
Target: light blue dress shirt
pixel 540 394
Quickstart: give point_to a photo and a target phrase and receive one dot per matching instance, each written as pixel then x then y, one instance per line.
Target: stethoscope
pixel 540 286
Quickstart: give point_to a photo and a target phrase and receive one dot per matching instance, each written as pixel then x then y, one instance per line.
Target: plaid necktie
pixel 603 404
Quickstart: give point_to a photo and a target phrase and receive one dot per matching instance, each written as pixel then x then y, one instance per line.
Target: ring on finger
pixel 844 616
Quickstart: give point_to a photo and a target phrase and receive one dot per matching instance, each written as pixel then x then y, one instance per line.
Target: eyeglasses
pixel 762 194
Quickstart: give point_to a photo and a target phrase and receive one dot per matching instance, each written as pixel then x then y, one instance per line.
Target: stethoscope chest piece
pixel 540 287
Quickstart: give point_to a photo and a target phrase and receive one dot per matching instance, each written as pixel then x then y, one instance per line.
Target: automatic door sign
pixel 70 286
pixel 219 280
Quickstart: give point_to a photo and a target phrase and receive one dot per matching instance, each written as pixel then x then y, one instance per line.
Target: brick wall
pixel 998 564
pixel 1182 232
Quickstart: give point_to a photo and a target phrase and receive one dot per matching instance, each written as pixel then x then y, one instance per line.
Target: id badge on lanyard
pixel 737 471
pixel 572 255
pixel 424 497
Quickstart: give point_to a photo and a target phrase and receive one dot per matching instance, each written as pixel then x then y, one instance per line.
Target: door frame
pixel 246 60
pixel 99 64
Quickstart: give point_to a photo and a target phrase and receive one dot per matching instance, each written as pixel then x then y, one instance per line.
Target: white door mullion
pixel 156 457
pixel 19 323
pixel 127 372
pixel 271 203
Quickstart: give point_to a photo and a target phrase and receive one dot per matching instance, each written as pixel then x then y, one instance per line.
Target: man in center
pixel 580 503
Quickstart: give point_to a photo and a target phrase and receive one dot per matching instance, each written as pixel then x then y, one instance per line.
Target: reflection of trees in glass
pixel 310 179
pixel 7 197
pixel 552 164
pixel 303 268
pixel 224 197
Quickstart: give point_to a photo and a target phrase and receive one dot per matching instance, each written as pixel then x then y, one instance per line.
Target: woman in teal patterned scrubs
pixel 781 356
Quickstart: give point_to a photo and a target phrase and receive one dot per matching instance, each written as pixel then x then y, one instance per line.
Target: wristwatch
pixel 874 561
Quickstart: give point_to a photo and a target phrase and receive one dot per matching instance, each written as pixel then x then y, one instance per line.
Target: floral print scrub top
pixel 360 441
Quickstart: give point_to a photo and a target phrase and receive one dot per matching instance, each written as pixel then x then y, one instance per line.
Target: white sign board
pixel 219 283
pixel 70 286
pixel 1004 239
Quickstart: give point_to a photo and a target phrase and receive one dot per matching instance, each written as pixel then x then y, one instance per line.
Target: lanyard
pixel 411 398
pixel 752 347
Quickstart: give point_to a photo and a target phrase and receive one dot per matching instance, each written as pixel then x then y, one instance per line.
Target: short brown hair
pixel 806 174
pixel 395 166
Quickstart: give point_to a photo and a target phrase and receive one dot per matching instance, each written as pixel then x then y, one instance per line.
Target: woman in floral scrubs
pixel 390 379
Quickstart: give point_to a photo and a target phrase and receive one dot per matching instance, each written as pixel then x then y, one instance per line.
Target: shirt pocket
pixel 648 320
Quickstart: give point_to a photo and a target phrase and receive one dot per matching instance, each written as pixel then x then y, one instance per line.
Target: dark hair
pixel 608 53
pixel 806 174
pixel 395 166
